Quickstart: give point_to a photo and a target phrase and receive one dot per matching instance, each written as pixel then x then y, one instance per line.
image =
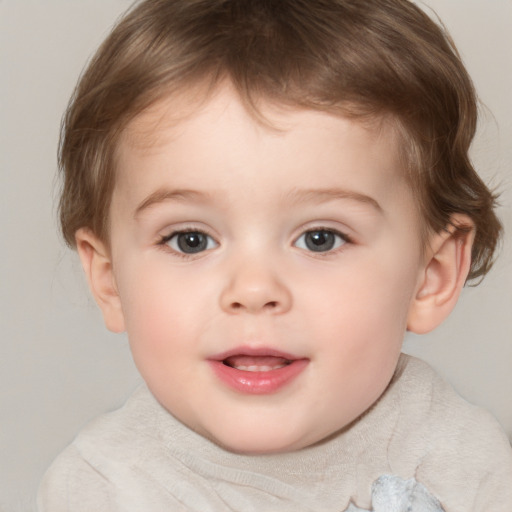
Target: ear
pixel 97 265
pixel 447 264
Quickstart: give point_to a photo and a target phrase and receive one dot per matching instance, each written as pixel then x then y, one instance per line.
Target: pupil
pixel 319 241
pixel 192 242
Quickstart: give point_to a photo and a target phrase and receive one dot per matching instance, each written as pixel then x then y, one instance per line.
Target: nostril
pixel 240 298
pixel 268 305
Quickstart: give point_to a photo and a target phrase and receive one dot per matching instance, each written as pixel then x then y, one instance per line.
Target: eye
pixel 321 240
pixel 190 242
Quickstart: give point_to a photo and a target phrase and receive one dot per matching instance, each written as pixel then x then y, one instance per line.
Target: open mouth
pixel 256 363
pixel 257 371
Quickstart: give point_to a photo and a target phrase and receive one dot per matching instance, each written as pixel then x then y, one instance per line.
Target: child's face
pixel 265 276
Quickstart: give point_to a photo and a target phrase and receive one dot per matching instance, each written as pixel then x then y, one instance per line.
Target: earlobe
pixel 447 265
pixel 97 265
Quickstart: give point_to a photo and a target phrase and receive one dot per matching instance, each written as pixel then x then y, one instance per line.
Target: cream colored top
pixel 140 458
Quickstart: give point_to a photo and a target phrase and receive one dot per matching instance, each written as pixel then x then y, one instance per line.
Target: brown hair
pixel 364 58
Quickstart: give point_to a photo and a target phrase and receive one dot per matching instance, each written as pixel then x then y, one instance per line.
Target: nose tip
pixel 255 292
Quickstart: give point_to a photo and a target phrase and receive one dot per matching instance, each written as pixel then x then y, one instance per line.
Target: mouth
pixel 257 371
pixel 256 363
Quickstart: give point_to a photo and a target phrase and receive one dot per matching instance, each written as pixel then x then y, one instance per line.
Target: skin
pixel 255 193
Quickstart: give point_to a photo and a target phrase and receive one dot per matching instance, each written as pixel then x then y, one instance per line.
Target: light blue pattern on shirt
pixel 394 494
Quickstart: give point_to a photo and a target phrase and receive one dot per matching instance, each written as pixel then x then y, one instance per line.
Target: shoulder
pixel 429 402
pixel 72 484
pixel 460 446
pixel 102 467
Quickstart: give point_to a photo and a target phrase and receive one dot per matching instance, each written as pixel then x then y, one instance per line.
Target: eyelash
pixel 164 242
pixel 344 239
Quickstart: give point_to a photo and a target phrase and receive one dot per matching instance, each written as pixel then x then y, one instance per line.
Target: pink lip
pixel 257 382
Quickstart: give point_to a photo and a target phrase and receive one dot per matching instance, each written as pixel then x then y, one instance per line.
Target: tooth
pixel 256 368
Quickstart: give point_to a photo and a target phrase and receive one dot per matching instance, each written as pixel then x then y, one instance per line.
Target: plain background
pixel 59 367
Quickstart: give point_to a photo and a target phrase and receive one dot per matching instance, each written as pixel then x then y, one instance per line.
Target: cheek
pixel 149 303
pixel 166 310
pixel 361 311
pixel 161 334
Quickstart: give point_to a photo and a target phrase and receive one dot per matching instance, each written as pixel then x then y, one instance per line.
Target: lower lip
pixel 258 383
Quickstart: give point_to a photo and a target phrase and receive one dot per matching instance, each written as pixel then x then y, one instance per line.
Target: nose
pixel 254 289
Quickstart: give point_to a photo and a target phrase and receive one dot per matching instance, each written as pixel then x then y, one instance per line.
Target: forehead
pixel 199 110
pixel 181 136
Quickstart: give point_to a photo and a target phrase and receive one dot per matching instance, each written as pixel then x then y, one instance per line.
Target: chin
pixel 260 443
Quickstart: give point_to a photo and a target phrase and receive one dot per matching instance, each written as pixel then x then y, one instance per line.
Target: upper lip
pixel 254 352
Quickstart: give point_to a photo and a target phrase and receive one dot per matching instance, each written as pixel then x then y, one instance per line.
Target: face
pixel 265 275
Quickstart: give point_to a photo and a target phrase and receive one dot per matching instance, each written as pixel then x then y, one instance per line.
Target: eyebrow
pixel 164 195
pixel 329 194
pixel 295 196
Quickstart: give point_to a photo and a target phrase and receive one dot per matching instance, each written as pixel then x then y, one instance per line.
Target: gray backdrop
pixel 59 367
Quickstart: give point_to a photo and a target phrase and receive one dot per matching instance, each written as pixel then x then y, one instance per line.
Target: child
pixel 265 195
